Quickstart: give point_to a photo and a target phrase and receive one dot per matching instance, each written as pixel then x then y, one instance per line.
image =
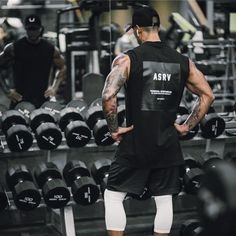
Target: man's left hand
pixel 117 136
pixel 50 92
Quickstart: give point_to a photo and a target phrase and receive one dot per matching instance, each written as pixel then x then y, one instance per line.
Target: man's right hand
pixel 14 96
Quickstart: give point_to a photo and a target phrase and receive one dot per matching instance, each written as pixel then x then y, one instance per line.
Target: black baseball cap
pixel 33 22
pixel 144 17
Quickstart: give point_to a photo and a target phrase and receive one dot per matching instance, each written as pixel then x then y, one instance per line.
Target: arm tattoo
pixel 114 82
pixel 194 117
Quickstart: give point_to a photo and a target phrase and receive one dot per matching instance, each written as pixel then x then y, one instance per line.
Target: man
pixel 34 60
pixel 149 152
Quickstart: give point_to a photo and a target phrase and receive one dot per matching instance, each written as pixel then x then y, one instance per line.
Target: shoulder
pixel 121 59
pixel 9 48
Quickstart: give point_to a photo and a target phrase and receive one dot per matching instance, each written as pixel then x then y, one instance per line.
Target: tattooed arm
pixel 198 85
pixel 115 80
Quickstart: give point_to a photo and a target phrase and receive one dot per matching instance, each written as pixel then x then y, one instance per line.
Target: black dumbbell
pixel 3 198
pixel 18 136
pixel 210 159
pixel 182 116
pixel 97 123
pixel 187 228
pixel 217 198
pixel 53 107
pixel 146 194
pixel 47 133
pixel 99 171
pixel 71 121
pixel 54 189
pixel 25 108
pixel 83 188
pixel 212 125
pixel 192 174
pixel 20 181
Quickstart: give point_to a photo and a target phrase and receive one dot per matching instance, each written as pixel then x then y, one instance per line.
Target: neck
pixel 33 41
pixel 151 37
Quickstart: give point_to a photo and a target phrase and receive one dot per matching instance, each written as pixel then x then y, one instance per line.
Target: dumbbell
pixel 20 181
pixel 141 197
pixel 217 198
pixel 47 134
pixel 18 136
pixel 210 159
pixel 54 189
pixel 3 198
pixel 212 125
pixel 182 116
pixel 97 123
pixel 192 174
pixel 83 188
pixel 53 107
pixel 71 121
pixel 188 227
pixel 99 171
pixel 25 108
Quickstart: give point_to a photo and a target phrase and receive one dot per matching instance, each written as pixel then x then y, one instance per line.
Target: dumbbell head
pixel 20 181
pixel 217 197
pixel 96 122
pixel 188 227
pixel 102 134
pixel 99 169
pixel 25 108
pixel 10 118
pixel 55 191
pixel 80 106
pixel 68 115
pixel 84 189
pixel 210 159
pixel 18 137
pixel 192 180
pixel 94 114
pixel 53 107
pixel 39 116
pixel 189 163
pixel 3 198
pixel 47 134
pixel 212 125
pixel 77 134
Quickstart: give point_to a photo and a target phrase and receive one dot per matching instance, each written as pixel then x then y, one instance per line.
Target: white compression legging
pixel 115 214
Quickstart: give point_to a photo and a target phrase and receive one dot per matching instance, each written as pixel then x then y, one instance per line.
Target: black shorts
pixel 159 182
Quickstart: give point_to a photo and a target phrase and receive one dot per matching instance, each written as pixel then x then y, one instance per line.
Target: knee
pixel 164 214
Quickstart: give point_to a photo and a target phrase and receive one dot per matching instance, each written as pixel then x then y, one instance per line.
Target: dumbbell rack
pixel 227 47
pixel 64 220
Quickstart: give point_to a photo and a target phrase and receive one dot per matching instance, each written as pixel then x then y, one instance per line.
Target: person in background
pixel 34 61
pixel 126 42
pixel 149 154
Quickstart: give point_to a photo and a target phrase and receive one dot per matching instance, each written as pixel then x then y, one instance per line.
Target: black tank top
pixel 153 93
pixel 32 69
